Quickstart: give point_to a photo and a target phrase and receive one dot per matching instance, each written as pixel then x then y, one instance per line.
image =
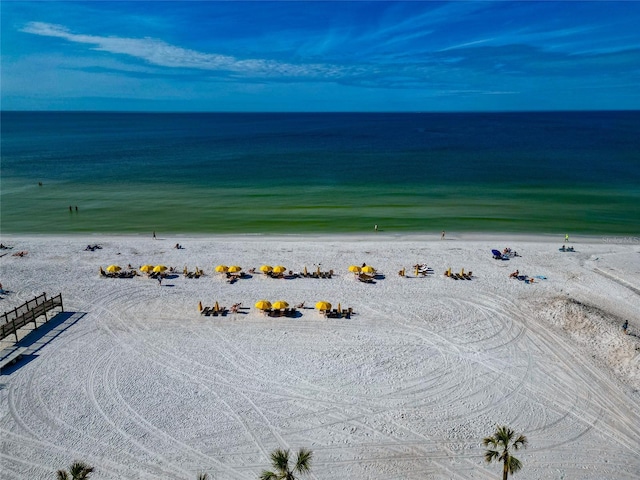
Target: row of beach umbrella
pixel 236 269
pixel 225 269
pixel 280 304
pixel 144 268
pixel 282 269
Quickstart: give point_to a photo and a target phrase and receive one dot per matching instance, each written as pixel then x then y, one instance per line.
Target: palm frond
pixel 80 470
pixel 490 441
pixel 513 464
pixel 62 475
pixel 520 442
pixel 490 455
pixel 267 475
pixel 280 460
pixel 203 476
pixel 303 460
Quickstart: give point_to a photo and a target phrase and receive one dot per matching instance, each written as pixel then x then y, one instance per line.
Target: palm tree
pixel 280 463
pixel 503 439
pixel 77 471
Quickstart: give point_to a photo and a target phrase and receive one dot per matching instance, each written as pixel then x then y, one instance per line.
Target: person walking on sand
pixel 566 238
pixel 625 325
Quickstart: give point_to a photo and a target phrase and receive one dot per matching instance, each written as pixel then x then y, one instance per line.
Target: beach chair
pixel 365 278
pixel 497 255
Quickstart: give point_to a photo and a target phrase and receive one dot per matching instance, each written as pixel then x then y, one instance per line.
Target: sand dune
pixel 133 380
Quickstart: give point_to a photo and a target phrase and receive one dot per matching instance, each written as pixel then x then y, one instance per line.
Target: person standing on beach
pixel 625 325
pixel 375 227
pixel 154 234
pixel 442 237
pixel 566 238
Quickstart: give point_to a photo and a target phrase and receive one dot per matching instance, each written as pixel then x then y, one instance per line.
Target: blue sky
pixel 320 56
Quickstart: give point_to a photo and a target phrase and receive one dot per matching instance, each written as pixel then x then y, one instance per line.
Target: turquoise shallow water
pixel 324 173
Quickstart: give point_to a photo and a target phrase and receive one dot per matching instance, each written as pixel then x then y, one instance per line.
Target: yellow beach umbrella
pixel 318 270
pixel 234 269
pixel 216 307
pixel 159 268
pixel 280 304
pixel 323 306
pixel 113 268
pixel 305 271
pixel 263 305
pixel 279 269
pixel 354 269
pixel 368 269
pixel 266 268
pixel 339 308
pixel 221 268
pixel 146 268
pixel 199 306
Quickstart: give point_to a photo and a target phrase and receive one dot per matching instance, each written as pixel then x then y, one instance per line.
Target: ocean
pixel 547 173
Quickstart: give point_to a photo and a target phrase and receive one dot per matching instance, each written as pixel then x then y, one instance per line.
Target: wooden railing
pixel 12 321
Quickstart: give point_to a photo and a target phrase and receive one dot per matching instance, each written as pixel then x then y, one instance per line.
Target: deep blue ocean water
pixel 320 172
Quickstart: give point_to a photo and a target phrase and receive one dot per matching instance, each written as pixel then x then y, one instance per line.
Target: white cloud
pixel 162 54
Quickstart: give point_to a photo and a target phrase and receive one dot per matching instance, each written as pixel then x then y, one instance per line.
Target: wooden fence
pixel 12 321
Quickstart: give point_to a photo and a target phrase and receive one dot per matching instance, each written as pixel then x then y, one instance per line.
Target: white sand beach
pixel 135 382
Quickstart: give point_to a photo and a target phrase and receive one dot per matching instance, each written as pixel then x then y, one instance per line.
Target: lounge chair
pixel 365 278
pixel 497 255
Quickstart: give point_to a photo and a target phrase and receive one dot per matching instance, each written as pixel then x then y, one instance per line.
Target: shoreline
pixel 381 235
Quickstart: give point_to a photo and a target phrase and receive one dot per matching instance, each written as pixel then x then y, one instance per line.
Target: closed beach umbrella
pixel 368 269
pixel 221 268
pixel 339 308
pixel 279 269
pixel 305 270
pixel 199 306
pixel 354 269
pixel 113 268
pixel 159 268
pixel 146 268
pixel 263 305
pixel 323 306
pixel 280 304
pixel 266 268
pixel 234 269
pixel 216 307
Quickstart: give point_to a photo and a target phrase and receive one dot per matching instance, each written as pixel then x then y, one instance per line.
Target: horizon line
pixel 317 111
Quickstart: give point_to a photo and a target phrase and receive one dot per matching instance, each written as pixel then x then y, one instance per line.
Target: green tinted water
pixel 139 207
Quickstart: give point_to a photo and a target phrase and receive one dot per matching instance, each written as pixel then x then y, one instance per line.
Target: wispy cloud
pixel 160 53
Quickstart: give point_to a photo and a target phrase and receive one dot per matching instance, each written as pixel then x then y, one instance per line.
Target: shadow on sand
pixel 35 340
